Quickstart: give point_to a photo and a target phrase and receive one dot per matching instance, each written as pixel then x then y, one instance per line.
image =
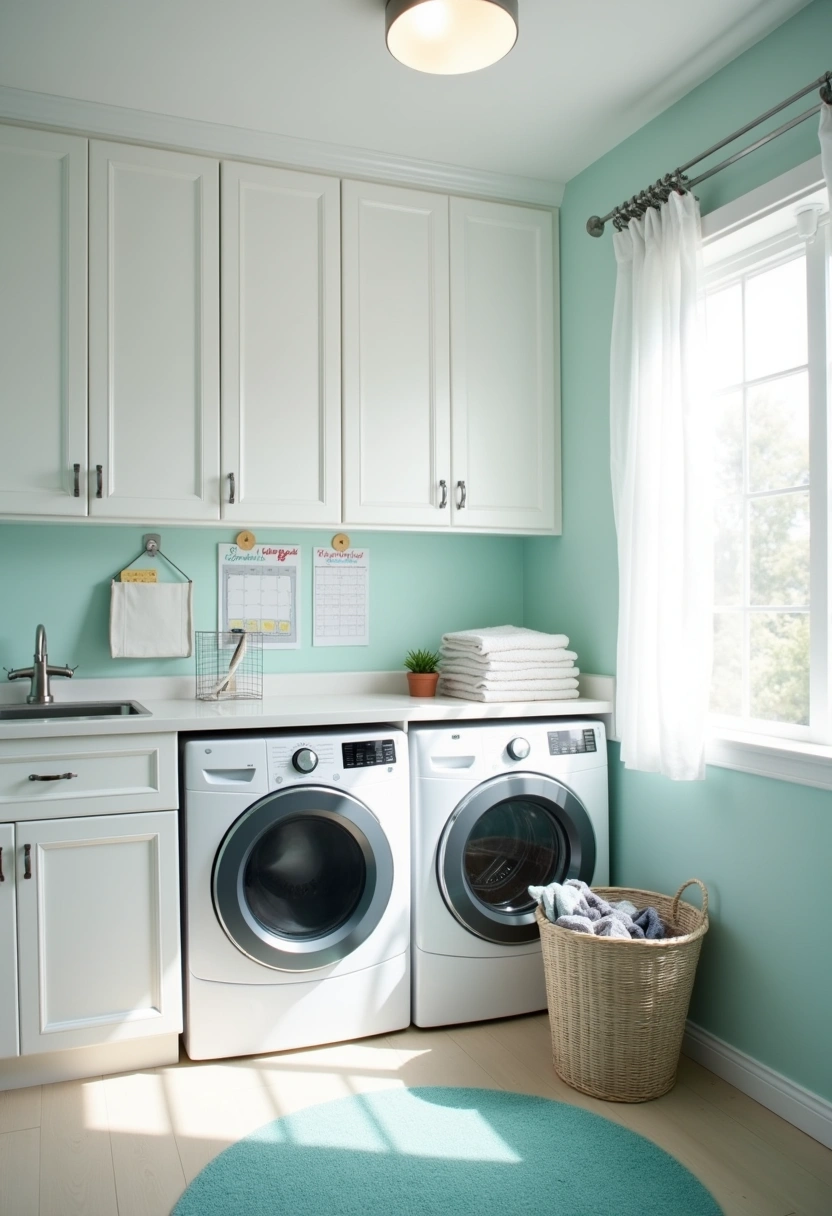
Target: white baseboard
pixel 798 1106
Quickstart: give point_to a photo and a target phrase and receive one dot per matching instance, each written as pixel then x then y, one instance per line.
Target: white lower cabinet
pixel 97 935
pixel 9 1030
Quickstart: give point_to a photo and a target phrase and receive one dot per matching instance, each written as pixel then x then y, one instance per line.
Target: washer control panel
pixel 368 752
pixel 570 742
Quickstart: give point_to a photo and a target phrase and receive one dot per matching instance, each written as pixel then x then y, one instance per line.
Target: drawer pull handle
pixel 444 487
pixel 99 481
pixel 460 485
pixel 76 484
pixel 2 875
pixel 232 491
pixel 27 861
pixel 52 776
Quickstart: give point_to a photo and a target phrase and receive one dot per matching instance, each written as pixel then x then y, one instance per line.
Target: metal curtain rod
pixel 659 193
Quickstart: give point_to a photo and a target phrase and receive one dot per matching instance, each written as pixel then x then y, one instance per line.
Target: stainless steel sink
pixel 78 710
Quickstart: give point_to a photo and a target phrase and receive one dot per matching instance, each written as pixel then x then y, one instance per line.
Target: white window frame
pixel 798 754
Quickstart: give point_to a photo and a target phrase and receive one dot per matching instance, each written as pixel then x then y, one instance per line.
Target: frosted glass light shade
pixel 448 37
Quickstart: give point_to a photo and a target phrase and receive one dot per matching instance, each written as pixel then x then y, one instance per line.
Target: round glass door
pixel 513 832
pixel 302 878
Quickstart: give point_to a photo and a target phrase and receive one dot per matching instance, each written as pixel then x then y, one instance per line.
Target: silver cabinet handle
pixel 2 875
pixel 76 484
pixel 460 485
pixel 443 485
pixel 99 481
pixel 232 493
pixel 27 861
pixel 52 776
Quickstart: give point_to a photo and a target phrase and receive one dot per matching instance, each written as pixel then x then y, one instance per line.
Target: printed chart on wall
pixel 342 602
pixel 259 591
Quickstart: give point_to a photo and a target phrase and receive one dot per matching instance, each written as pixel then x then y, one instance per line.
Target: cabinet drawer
pixel 110 773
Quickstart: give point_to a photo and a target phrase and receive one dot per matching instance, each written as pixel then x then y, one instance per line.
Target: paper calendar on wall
pixel 342 602
pixel 259 591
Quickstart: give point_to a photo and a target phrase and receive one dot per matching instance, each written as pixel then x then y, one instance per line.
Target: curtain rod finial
pixel 595 226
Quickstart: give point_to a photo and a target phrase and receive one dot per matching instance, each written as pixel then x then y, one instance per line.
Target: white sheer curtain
pixel 661 484
pixel 826 145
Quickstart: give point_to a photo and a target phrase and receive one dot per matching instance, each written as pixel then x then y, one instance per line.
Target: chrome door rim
pixel 248 934
pixel 571 819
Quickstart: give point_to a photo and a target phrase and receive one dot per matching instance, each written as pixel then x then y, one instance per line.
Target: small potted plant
pixel 422 672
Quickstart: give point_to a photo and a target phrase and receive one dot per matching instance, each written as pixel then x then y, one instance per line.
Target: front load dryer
pixel 497 807
pixel 297 889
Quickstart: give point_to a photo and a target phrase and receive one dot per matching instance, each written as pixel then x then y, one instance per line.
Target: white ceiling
pixel 583 75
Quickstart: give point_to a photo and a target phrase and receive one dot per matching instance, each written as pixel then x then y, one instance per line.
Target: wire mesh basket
pixel 229 666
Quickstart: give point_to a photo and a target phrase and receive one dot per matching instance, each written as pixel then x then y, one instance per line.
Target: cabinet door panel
pixel 396 373
pixel 154 333
pixel 503 346
pixel 43 322
pixel 281 345
pixel 9 1045
pixel 98 930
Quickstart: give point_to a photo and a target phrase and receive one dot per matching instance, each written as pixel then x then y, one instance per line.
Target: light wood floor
pixel 128 1145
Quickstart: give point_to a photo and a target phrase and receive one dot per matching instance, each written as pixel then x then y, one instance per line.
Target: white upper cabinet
pixel 369 354
pixel 396 370
pixel 505 430
pixel 43 323
pixel 154 334
pixel 281 346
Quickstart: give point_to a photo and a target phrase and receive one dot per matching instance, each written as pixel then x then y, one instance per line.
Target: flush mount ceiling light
pixel 448 37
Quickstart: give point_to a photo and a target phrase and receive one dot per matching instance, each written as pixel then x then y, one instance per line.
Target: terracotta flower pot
pixel 422 683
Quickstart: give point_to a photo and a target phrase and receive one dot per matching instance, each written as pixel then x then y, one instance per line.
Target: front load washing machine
pixel 497 807
pixel 297 889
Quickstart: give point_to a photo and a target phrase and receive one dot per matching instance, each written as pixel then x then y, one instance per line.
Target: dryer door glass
pixel 507 851
pixel 510 833
pixel 302 878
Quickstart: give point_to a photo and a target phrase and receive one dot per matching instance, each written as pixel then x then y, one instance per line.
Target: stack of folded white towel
pixel 506 663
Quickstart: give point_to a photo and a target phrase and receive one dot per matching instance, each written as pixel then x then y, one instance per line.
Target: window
pixel 768 321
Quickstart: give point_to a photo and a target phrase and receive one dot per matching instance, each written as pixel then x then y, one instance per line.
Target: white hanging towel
pixel 501 638
pixel 151 620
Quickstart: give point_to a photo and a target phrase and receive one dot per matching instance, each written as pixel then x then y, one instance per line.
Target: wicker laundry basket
pixel 617 1009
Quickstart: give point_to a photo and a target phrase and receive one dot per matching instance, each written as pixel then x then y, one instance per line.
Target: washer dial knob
pixel 305 760
pixel 518 749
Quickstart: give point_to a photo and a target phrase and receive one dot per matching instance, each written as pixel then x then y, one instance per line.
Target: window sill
pixel 769 756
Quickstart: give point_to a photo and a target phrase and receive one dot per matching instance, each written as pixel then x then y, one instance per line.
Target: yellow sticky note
pixel 139 576
pixel 252 626
pixel 268 626
pixel 284 626
pixel 235 624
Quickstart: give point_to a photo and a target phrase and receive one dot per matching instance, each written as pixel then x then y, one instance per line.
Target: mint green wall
pixel 765 983
pixel 421 585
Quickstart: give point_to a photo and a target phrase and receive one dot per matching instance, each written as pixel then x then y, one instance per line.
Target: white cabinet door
pixel 98 930
pixel 506 457
pixel 154 334
pixel 9 1044
pixel 396 374
pixel 281 346
pixel 43 323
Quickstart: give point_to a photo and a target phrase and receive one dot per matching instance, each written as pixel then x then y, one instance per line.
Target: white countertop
pixel 314 699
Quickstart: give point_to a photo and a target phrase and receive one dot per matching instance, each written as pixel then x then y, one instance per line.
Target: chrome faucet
pixel 39 672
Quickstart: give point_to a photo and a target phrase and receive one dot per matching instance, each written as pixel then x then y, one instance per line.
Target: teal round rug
pixel 448 1152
